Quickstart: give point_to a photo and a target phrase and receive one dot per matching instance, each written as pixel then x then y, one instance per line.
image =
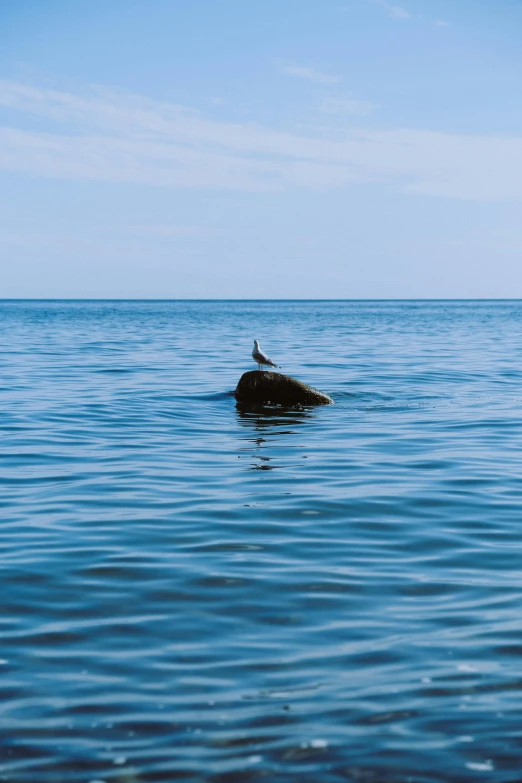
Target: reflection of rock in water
pixel 262 418
pixel 259 386
pixel 266 425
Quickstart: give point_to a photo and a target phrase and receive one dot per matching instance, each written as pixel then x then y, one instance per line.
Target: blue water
pixel 194 592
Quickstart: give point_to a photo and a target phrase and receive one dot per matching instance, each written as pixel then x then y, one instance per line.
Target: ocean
pixel 193 591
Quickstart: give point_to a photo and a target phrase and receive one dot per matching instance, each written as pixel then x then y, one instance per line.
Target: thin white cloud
pixel 392 10
pixel 163 231
pixel 133 230
pixel 110 137
pixel 400 13
pixel 347 104
pixel 311 74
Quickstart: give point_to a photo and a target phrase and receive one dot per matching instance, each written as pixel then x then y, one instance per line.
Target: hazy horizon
pixel 241 299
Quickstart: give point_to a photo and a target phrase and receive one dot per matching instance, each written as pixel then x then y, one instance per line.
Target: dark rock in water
pixel 262 387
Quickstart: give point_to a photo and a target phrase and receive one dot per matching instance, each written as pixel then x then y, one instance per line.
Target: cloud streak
pixel 109 137
pixel 392 10
pixel 311 75
pixel 345 103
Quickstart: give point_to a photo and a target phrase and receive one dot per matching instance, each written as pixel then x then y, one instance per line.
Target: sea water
pixel 193 591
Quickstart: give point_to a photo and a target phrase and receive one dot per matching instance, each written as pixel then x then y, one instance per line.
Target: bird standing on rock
pixel 260 357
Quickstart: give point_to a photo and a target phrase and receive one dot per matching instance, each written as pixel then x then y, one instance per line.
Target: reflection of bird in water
pixel 260 357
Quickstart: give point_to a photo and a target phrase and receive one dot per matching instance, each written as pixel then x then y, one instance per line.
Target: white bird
pixel 260 357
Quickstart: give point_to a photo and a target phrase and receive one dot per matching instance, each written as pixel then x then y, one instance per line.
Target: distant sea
pixel 190 591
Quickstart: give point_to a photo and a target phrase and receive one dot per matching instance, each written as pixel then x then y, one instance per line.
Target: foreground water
pixel 194 592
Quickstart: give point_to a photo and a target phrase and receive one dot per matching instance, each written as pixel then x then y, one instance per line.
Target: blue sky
pixel 284 148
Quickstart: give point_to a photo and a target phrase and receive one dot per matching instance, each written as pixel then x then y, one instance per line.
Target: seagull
pixel 260 357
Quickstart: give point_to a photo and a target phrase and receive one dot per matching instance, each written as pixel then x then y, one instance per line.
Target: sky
pixel 341 149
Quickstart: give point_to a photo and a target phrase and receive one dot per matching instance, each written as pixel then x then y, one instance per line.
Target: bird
pixel 260 357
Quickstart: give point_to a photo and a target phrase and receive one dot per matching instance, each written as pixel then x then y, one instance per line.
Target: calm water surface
pixel 194 592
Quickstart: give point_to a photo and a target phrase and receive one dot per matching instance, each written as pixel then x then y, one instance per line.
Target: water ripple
pixel 194 590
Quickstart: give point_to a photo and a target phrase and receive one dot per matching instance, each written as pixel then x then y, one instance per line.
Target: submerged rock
pixel 263 387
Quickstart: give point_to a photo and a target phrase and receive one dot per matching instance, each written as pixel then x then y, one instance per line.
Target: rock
pixel 263 387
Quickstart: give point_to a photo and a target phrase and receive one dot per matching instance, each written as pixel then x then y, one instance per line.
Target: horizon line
pixel 238 299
